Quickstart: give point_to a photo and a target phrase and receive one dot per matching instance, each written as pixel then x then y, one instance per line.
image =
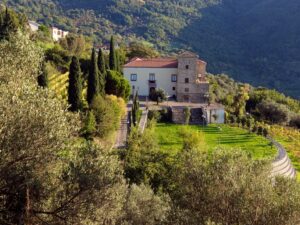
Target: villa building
pixel 183 78
pixel 55 32
pixel 34 26
pixel 58 34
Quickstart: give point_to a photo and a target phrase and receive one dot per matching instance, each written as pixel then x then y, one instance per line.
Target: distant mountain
pixel 255 41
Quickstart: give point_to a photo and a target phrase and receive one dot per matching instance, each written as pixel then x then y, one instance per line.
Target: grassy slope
pixel 170 140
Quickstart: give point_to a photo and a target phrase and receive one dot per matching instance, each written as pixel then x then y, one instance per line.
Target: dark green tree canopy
pixel 102 72
pixel 112 55
pixel 9 23
pixel 93 79
pixel 43 78
pixel 75 85
pixel 101 61
pixel 117 85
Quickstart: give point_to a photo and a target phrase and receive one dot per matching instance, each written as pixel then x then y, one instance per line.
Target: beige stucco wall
pixel 162 75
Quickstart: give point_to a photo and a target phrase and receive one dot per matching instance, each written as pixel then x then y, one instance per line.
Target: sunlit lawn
pixel 170 139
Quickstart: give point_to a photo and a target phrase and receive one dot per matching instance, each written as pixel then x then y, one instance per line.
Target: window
pixel 186 90
pixel 187 80
pixel 187 67
pixel 133 87
pixel 133 77
pixel 152 77
pixel 174 89
pixel 174 78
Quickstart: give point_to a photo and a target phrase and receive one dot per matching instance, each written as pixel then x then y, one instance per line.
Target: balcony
pixel 152 83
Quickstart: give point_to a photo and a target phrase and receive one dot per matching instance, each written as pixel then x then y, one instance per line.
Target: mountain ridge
pixel 254 41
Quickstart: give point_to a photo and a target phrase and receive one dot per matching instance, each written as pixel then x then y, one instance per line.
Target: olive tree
pixel 46 177
pixel 20 59
pixel 228 187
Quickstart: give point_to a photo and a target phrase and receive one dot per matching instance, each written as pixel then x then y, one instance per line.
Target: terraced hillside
pixel 59 83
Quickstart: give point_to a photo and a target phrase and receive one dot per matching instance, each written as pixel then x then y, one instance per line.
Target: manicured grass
pixel 170 139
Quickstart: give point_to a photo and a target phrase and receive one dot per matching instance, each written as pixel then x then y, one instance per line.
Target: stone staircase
pixel 121 138
pixel 282 165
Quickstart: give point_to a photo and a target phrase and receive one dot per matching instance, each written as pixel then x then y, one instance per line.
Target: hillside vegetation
pixel 254 41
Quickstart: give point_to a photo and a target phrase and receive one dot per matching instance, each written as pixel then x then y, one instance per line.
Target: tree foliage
pixel 141 50
pixel 227 187
pixel 108 112
pixel 75 85
pixel 135 109
pixel 9 23
pixel 273 112
pixel 117 85
pixel 47 174
pixel 113 64
pixel 19 56
pixel 158 95
pixel 93 88
pixel 43 78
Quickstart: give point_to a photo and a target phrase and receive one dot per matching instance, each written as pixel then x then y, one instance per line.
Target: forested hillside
pixel 254 41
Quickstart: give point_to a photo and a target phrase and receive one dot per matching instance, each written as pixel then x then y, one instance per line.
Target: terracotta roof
pixel 152 63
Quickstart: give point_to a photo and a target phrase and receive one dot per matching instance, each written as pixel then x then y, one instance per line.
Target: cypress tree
pixel 102 71
pixel 117 61
pixel 75 85
pixel 112 55
pixel 101 62
pixel 135 109
pixel 43 80
pixel 8 24
pixel 93 79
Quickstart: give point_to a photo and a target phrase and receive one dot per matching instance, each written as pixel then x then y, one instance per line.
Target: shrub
pixel 107 113
pixel 260 130
pixel 228 187
pixel 89 129
pixel 295 121
pixel 163 116
pixel 265 132
pixel 254 129
pixel 117 85
pixel 193 140
pixel 142 206
pixel 154 114
pixel 273 112
pixel 158 95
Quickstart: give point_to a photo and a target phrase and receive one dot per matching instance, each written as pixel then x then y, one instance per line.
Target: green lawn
pixel 170 140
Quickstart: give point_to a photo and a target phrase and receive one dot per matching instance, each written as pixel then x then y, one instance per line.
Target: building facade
pixel 58 34
pixel 34 26
pixel 183 78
